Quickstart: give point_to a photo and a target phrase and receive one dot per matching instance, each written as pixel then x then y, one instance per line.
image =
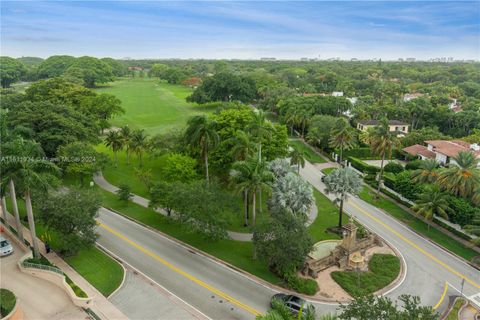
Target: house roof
pixel 450 148
pixel 417 149
pixel 376 122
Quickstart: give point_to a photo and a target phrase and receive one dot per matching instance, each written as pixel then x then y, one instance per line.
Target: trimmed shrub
pixel 362 166
pixel 389 180
pixel 406 187
pixel 301 285
pixel 393 167
pixel 462 212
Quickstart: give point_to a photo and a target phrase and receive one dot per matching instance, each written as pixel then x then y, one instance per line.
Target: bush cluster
pixel 302 285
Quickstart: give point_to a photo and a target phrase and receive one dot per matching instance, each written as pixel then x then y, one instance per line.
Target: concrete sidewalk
pixel 99 305
pixel 37 298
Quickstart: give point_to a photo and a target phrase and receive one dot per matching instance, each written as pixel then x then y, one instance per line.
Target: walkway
pixel 238 236
pixel 100 305
pixel 38 298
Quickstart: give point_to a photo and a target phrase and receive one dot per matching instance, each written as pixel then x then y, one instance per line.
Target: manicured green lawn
pixel 418 225
pixel 327 217
pixel 382 270
pixel 328 170
pixel 309 154
pixel 151 105
pixel 7 302
pixel 103 272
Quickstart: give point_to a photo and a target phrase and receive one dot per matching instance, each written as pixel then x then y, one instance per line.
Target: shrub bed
pixel 44 261
pixel 383 269
pixel 302 285
pixel 362 166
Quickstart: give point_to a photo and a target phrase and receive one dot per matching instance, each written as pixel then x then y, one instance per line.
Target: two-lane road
pixel 223 293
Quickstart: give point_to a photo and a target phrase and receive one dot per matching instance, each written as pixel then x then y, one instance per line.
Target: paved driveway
pixel 39 299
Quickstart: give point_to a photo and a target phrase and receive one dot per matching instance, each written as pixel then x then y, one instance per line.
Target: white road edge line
pixel 150 279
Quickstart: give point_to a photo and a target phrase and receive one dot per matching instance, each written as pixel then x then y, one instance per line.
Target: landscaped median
pixel 383 269
pixel 42 268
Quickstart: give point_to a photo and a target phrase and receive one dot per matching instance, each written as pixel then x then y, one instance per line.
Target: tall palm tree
pixel 291 119
pixel 126 135
pixel 33 173
pixel 343 137
pixel 297 158
pixel 431 202
pixel 138 144
pixel 252 175
pixel 427 172
pixel 462 178
pixel 304 116
pixel 114 140
pixel 342 182
pixel 242 145
pixel 259 129
pixel 382 142
pixel 201 133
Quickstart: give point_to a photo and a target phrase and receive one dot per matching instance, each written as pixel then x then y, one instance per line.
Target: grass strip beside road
pixel 307 151
pixel 383 269
pixel 418 225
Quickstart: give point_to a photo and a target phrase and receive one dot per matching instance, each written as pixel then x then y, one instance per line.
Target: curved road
pixel 223 293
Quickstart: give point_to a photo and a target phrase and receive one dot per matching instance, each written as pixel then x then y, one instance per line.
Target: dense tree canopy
pixel 10 71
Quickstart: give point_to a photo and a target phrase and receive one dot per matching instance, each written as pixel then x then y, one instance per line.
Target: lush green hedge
pixel 383 269
pixel 8 300
pixel 366 153
pixel 362 166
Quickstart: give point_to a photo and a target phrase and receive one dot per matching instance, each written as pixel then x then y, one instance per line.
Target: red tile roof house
pixel 442 150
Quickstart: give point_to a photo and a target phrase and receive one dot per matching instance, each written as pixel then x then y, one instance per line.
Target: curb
pixel 114 256
pixel 424 237
pixel 248 275
pixel 120 262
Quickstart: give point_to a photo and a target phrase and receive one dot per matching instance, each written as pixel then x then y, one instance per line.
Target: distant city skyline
pixel 361 30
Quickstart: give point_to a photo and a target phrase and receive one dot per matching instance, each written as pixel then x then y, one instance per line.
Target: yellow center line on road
pixel 181 272
pixel 445 289
pixel 429 255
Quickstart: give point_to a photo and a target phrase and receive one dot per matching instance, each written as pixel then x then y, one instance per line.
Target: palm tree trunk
pixel 4 210
pixel 341 155
pixel 260 201
pixel 115 153
pixel 245 204
pixel 254 203
pixel 206 165
pixel 340 213
pixel 11 187
pixel 380 175
pixel 127 153
pixel 298 168
pixel 31 224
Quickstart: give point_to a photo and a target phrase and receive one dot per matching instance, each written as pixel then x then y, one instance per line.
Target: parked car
pixel 293 303
pixel 5 247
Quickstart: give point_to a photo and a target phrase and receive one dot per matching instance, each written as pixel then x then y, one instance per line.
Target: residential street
pixel 222 293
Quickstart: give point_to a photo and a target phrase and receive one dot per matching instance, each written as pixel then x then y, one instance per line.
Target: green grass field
pixel 418 225
pixel 151 105
pixel 308 153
